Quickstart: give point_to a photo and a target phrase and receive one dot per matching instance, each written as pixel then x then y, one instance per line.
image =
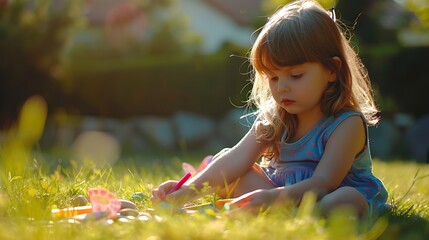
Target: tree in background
pixel 421 9
pixel 134 28
pixel 272 5
pixel 129 51
pixel 45 50
pixel 32 37
pixel 41 42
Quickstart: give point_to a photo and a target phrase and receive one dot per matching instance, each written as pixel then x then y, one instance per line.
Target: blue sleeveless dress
pixel 298 161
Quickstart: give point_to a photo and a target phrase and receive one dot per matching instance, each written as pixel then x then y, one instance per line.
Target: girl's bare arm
pixel 224 169
pixel 231 164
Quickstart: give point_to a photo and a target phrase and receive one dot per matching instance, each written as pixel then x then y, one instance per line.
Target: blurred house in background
pixel 216 22
pixel 220 21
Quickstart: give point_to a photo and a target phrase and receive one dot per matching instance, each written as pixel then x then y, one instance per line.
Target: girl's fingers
pixel 159 194
pixel 253 201
pixel 171 197
pixel 247 208
pixel 240 202
pixel 189 168
pixel 178 197
pixel 165 187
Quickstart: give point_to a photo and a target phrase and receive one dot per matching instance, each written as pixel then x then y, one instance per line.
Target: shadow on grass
pixel 403 224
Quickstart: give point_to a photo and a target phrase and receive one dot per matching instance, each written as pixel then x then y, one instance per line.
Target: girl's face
pixel 299 88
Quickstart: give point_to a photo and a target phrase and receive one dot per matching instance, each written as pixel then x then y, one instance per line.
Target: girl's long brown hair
pixel 304 32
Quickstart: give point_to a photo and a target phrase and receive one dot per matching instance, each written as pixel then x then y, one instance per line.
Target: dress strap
pixel 334 121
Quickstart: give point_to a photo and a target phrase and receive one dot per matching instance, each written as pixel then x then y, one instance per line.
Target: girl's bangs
pixel 281 47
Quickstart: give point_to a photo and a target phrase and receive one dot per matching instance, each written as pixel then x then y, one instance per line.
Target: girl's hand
pixel 159 194
pixel 177 198
pixel 255 201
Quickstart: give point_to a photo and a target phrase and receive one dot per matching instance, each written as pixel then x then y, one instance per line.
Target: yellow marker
pixel 70 212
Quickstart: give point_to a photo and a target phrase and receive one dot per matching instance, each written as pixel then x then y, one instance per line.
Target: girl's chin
pixel 291 110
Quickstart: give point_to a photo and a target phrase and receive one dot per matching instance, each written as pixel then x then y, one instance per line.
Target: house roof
pixel 241 11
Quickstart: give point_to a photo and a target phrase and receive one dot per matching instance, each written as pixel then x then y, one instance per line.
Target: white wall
pixel 214 26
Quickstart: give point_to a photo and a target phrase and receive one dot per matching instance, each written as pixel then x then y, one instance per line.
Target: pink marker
pixel 180 183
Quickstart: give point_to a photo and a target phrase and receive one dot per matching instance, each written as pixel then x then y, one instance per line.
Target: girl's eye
pixel 274 79
pixel 296 76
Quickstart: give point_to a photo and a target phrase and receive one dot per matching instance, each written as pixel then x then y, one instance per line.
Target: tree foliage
pixel 421 10
pixel 271 5
pixel 39 44
pixel 32 37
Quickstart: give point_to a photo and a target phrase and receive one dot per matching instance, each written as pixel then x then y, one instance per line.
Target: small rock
pixel 123 220
pixel 138 196
pixel 109 221
pixel 143 218
pixel 145 215
pixel 127 204
pixel 79 201
pixel 128 212
pixel 73 221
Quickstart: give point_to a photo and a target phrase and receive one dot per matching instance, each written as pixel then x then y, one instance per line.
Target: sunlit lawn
pixel 26 202
pixel 33 182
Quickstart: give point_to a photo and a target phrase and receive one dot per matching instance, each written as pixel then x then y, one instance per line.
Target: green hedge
pixel 400 76
pixel 209 85
pixel 407 80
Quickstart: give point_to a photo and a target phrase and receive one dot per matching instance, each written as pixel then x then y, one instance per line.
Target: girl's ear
pixel 333 75
pixel 337 61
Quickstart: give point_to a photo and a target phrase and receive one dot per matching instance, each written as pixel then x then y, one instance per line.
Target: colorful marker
pixel 220 204
pixel 180 183
pixel 73 211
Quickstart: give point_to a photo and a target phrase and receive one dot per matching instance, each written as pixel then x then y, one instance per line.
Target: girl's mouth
pixel 287 101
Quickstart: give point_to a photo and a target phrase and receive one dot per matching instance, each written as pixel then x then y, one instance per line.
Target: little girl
pixel 314 103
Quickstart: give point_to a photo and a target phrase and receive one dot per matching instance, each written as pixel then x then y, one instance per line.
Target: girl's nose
pixel 283 85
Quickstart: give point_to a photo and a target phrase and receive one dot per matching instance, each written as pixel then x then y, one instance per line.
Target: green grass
pixel 26 200
pixel 33 183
